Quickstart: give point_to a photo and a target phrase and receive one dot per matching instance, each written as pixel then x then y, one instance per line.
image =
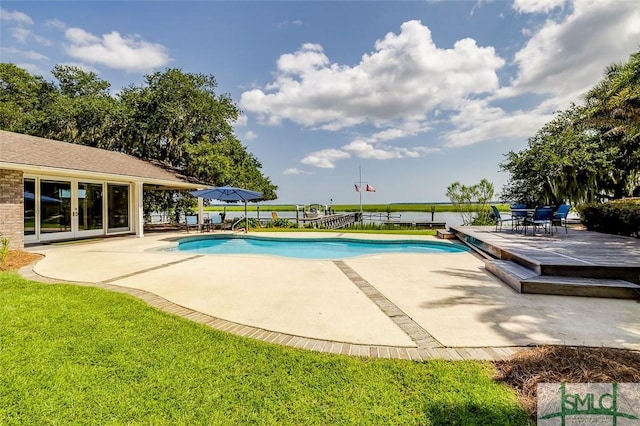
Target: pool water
pixel 317 248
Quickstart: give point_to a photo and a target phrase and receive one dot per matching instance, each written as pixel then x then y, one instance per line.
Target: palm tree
pixel 613 110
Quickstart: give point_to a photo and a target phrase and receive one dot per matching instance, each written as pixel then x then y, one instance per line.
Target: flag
pixel 370 188
pixel 357 188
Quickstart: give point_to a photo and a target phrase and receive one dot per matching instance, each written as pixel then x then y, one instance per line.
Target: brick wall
pixel 12 207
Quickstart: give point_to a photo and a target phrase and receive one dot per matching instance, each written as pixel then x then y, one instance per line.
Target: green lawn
pixel 81 355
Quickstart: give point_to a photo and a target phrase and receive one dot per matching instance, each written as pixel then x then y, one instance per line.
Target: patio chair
pixel 541 218
pixel 560 217
pixel 519 214
pixel 191 221
pixel 499 219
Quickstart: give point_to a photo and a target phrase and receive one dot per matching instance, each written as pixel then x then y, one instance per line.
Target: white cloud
pixel 407 86
pixel 19 31
pixel 295 171
pixel 568 55
pixel 20 34
pixel 80 36
pixel 533 6
pixel 477 121
pixel 15 16
pixel 363 149
pixel 32 68
pixel 28 54
pixel 241 121
pixel 250 135
pixel 42 40
pixel 405 78
pixel 325 158
pixel 56 23
pixel 128 53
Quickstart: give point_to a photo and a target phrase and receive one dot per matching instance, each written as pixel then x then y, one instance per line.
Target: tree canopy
pixel 175 118
pixel 588 152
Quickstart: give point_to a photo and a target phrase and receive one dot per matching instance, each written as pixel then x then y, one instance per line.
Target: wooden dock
pixel 331 221
pixel 578 263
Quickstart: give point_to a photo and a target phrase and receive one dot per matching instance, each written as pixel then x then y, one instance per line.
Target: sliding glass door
pixel 89 209
pixel 56 209
pixel 118 202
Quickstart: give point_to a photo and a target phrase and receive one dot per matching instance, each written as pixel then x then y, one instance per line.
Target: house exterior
pixel 52 190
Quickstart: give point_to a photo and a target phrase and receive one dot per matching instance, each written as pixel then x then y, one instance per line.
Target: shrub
pixel 280 223
pixel 621 217
pixel 4 249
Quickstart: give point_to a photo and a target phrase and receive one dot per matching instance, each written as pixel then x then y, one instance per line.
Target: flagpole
pixel 360 172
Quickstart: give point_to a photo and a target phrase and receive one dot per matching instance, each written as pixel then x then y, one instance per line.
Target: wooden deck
pixel 579 262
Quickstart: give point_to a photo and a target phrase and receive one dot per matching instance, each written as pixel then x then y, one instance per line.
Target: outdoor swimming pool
pixel 311 248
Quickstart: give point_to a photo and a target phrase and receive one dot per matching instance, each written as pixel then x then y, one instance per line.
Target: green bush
pixel 281 223
pixel 620 217
pixel 4 249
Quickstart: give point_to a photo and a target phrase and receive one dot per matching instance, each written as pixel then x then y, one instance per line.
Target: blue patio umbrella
pixel 229 194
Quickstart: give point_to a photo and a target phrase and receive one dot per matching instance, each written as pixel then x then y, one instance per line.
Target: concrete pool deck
pixel 416 306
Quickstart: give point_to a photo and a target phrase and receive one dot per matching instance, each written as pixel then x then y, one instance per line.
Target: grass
pixel 72 354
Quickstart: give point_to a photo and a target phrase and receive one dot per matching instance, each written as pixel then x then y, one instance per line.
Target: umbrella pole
pixel 246 219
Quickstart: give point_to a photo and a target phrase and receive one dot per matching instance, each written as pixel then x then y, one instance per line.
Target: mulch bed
pixel 568 364
pixel 16 259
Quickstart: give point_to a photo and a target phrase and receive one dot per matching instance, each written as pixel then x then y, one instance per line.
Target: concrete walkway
pixel 412 306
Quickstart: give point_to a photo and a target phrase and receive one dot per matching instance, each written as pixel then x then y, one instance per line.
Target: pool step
pixel 524 280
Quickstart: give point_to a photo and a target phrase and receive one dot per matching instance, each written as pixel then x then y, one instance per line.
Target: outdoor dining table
pixel 520 215
pixel 528 214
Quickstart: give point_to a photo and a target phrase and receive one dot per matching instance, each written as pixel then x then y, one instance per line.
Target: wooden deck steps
pixel 525 280
pixel 445 235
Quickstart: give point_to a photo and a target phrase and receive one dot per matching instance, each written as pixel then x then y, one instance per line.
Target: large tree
pixel 82 110
pixel 23 98
pixel 613 110
pixel 586 153
pixel 564 161
pixel 175 119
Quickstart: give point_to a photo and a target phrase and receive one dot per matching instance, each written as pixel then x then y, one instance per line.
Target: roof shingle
pixel 28 150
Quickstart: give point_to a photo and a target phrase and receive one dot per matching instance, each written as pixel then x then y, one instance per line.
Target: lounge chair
pixel 499 219
pixel 560 217
pixel 541 218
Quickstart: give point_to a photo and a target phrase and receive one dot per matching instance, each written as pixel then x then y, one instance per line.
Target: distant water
pixel 450 218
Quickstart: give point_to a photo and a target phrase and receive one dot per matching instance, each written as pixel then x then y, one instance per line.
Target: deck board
pixel 577 253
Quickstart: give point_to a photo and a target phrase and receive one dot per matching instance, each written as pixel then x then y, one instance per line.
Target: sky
pixel 406 96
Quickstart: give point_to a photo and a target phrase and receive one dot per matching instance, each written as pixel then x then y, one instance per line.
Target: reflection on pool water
pixel 310 248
